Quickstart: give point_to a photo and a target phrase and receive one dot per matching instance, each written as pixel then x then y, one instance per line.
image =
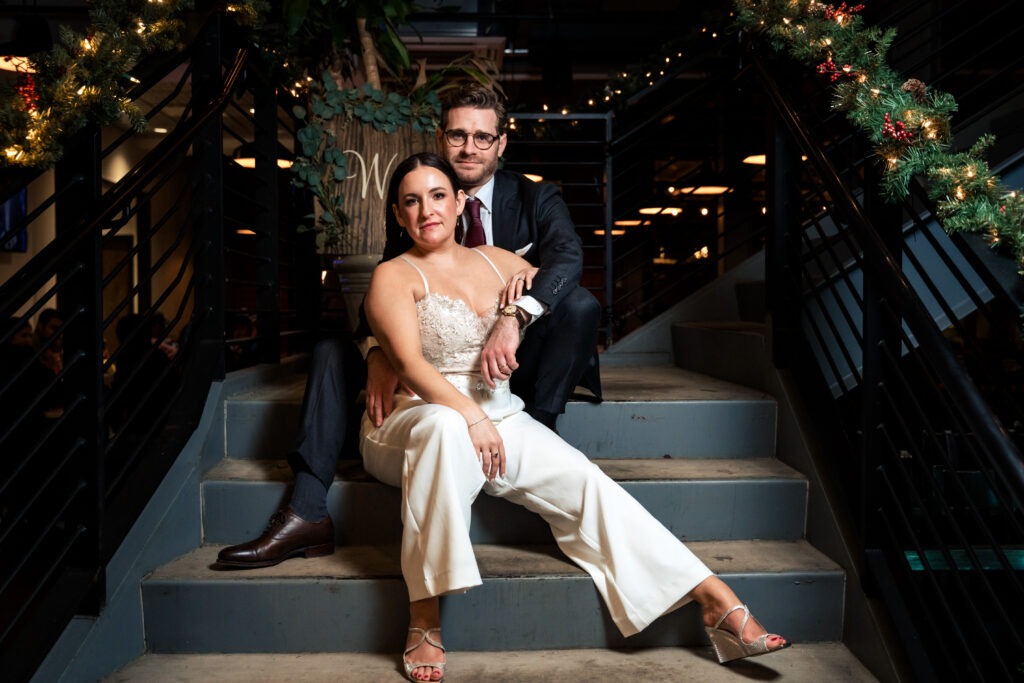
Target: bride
pixel 432 309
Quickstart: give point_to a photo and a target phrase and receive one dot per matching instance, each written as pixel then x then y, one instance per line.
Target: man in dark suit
pixel 559 351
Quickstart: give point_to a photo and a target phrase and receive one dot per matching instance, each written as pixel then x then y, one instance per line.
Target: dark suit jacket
pixel 531 214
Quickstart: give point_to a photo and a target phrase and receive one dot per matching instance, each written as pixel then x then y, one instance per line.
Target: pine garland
pixel 908 123
pixel 86 78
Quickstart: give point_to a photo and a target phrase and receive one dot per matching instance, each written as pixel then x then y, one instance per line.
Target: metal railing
pixel 138 278
pixel 934 479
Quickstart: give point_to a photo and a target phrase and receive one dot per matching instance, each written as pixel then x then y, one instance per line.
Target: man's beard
pixel 479 175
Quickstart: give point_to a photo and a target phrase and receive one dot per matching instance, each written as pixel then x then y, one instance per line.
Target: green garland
pixel 908 123
pixel 83 79
pixel 86 78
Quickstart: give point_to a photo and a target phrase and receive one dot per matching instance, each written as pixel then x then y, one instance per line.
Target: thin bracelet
pixel 478 421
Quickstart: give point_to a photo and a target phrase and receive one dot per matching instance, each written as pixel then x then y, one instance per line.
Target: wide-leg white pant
pixel 640 568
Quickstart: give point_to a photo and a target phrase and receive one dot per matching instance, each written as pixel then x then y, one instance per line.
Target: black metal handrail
pixel 915 421
pixel 83 454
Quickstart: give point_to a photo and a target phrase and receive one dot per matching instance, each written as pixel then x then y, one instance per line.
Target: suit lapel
pixel 505 221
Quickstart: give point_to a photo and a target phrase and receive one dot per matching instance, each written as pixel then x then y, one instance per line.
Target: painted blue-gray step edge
pixel 366 512
pixel 243 613
pixel 613 429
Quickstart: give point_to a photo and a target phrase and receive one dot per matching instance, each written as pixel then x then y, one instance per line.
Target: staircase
pixel 696 450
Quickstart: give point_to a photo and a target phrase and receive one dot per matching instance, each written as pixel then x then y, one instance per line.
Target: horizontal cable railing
pixel 131 296
pixel 935 479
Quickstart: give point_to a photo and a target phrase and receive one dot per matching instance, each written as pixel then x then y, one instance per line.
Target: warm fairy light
pixel 704 211
pixel 590 102
pixel 627 223
pixel 785 20
pixel 926 123
pixel 875 91
pixel 764 210
pixel 80 90
pixel 713 35
pixel 607 97
pixel 134 80
pixel 512 126
pixel 534 177
pixel 615 233
pixel 618 92
pixel 827 41
pixel 86 44
pixel 544 107
pixel 893 161
pixel 970 173
pixel 564 111
pixel 142 27
pixel 862 78
pixel 160 130
pixel 672 211
pixel 756 160
pixel 959 192
pixel 323 277
pixel 671 189
pixel 651 210
pixel 703 252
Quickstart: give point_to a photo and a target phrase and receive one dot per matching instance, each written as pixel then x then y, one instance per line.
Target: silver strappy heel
pixel 729 646
pixel 424 635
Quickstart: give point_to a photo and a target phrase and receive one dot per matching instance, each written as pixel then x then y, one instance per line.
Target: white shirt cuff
pixel 367 344
pixel 535 308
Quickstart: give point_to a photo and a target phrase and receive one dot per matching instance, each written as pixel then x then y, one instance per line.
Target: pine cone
pixel 917 89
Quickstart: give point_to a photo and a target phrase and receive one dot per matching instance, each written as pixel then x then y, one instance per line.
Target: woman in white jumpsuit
pixel 432 310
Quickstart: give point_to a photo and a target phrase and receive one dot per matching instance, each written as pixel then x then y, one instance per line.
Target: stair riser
pixel 368 512
pixel 734 357
pixel 642 429
pixel 326 615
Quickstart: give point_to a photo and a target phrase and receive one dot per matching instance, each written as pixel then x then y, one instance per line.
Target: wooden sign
pixel 371 156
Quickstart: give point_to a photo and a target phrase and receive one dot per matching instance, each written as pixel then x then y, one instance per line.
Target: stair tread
pixel 805 662
pixel 735 326
pixel 496 561
pixel 626 469
pixel 633 383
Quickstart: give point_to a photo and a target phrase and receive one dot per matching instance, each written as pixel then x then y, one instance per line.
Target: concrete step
pixel 805 662
pixel 647 412
pixel 695 499
pixel 531 598
pixel 732 351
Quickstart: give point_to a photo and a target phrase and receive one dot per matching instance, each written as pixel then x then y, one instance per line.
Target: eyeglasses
pixel 457 138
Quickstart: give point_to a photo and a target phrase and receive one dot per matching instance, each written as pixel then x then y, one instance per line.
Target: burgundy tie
pixel 476 235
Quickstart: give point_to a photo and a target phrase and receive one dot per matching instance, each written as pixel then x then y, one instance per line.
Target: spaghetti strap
pixel 422 276
pixel 486 258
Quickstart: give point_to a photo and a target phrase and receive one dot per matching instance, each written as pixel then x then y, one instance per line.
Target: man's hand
pixel 498 358
pixel 381 384
pixel 520 283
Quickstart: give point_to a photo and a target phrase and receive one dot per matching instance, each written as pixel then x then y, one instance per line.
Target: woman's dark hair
pixel 396 237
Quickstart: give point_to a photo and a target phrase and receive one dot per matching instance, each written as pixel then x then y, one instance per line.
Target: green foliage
pixel 84 79
pixel 968 196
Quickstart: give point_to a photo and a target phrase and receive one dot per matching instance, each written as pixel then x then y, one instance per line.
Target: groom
pixel 559 351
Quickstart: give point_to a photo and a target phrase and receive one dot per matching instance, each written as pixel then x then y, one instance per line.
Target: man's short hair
pixel 477 96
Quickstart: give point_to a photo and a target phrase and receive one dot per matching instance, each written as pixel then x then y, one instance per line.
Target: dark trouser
pixel 558 352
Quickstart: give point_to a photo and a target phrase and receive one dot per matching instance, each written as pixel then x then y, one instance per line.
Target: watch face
pixel 509 310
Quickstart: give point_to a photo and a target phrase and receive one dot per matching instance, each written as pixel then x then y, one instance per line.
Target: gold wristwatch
pixel 513 311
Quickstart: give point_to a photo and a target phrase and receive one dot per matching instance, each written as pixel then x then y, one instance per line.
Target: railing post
pixel 80 302
pixel 781 293
pixel 268 322
pixel 609 254
pixel 207 80
pixel 880 332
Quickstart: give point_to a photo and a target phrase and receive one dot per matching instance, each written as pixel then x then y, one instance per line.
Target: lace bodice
pixel 452 335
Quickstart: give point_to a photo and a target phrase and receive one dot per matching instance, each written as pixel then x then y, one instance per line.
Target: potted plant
pixel 367 108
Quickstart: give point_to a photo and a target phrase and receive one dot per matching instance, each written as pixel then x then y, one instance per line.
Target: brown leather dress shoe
pixel 286 535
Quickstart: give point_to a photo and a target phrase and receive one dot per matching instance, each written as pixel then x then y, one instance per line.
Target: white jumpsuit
pixel 640 568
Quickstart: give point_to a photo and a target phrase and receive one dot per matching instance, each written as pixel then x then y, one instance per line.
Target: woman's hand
pixel 519 283
pixel 490 449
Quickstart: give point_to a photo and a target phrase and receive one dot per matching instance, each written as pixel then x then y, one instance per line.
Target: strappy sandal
pixel 729 646
pixel 424 635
